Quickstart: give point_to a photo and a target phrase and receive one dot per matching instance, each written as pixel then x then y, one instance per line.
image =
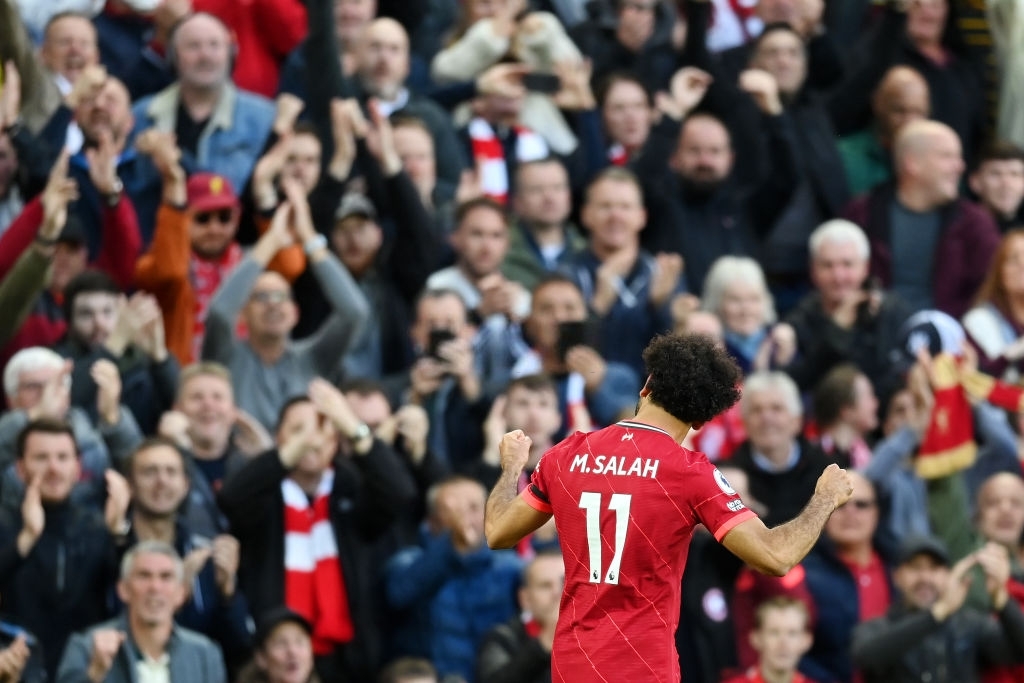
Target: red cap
pixel 210 191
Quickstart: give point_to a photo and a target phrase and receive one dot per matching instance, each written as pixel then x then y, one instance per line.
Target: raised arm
pixel 351 310
pixel 508 517
pixel 776 551
pixel 230 297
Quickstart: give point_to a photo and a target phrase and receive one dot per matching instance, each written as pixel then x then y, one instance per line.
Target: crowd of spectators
pixel 277 275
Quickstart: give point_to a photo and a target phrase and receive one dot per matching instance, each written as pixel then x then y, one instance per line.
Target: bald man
pixel 382 68
pixel 268 368
pixel 381 65
pixel 382 59
pixel 902 96
pixel 998 518
pixel 219 128
pixel 919 227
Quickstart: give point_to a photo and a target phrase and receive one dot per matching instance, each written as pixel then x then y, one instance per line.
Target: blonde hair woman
pixel 735 290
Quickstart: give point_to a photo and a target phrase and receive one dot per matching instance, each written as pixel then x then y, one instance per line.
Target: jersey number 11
pixel 591 502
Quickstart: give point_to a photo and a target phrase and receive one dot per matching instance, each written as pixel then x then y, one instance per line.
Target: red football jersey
pixel 626 500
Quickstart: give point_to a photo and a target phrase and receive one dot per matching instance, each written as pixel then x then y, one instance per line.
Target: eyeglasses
pixel 222 216
pixel 859 504
pixel 273 296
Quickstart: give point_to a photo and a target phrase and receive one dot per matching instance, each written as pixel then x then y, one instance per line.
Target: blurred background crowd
pixel 277 275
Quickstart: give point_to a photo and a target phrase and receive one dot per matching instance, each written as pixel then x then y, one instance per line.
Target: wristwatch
pixel 114 196
pixel 361 433
pixel 313 245
pixel 124 528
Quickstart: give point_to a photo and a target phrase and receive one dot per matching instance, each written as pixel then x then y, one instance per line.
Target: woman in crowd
pixel 735 291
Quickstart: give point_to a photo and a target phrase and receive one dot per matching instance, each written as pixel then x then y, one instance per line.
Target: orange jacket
pixel 290 261
pixel 164 271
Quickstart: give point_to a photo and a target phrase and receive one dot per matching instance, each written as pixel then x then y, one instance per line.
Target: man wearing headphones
pixel 218 127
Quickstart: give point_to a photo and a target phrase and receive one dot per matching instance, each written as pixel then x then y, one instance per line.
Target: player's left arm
pixel 509 517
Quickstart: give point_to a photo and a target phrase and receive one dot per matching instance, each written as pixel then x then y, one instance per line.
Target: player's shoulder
pixel 649 434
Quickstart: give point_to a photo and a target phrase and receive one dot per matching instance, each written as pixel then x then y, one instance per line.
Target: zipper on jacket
pixel 61 566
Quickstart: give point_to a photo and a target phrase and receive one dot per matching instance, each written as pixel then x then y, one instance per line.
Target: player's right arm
pixel 777 550
pixel 508 517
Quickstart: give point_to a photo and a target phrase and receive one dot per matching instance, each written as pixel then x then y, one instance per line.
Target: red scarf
pixel 207 274
pixel 489 156
pixel 313 583
pixel 617 155
pixel 948 444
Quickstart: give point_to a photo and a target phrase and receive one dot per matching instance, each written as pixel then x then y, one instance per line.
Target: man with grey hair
pixel 848 317
pixel 144 644
pixel 782 466
pixel 37 382
pixel 218 127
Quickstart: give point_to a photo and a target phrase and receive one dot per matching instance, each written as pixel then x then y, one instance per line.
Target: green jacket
pixel 864 160
pixel 523 263
pixel 950 514
pixel 19 291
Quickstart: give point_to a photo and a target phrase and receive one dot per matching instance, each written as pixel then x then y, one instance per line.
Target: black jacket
pixel 64 583
pixel 784 493
pixel 509 655
pixel 868 344
pixel 909 645
pixel 148 388
pixel 654 64
pixel 731 220
pixel 369 491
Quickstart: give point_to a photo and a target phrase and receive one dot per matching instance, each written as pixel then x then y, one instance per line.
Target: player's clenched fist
pixel 834 483
pixel 514 450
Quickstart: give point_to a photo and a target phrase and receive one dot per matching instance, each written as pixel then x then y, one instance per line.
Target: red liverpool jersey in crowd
pixel 626 500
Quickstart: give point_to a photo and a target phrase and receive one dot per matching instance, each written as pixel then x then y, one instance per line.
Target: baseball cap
pixel 355 205
pixel 913 546
pixel 276 616
pixel 210 191
pixel 932 330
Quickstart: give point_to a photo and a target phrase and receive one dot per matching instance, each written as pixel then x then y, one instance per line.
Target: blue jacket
pixel 450 600
pixel 632 321
pixel 618 391
pixel 838 612
pixel 233 139
pixel 141 182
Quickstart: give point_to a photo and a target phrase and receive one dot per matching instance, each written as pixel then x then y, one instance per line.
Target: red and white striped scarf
pixel 313 583
pixel 617 155
pixel 489 156
pixel 207 274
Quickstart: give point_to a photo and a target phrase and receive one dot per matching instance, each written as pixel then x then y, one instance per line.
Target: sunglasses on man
pixel 220 215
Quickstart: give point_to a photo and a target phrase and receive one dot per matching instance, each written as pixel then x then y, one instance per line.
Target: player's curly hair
pixel 691 376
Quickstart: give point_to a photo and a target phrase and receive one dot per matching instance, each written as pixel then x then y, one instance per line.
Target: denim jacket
pixel 234 137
